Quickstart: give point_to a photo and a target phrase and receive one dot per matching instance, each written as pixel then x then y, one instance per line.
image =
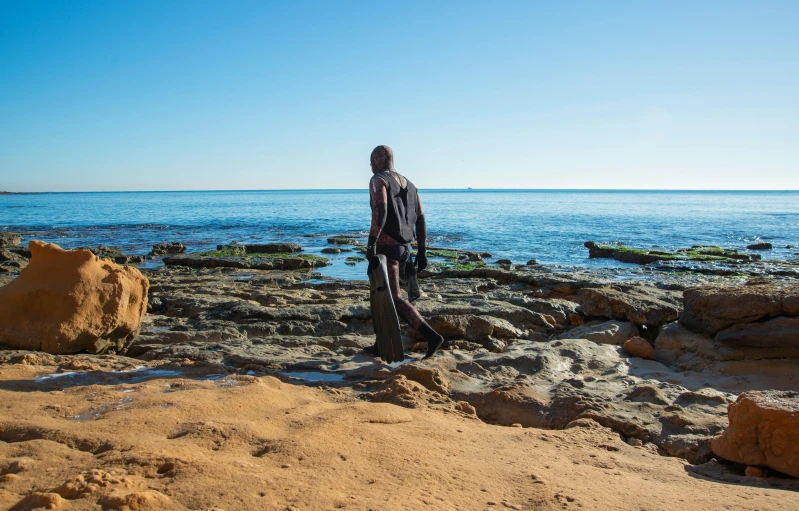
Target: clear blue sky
pixel 163 95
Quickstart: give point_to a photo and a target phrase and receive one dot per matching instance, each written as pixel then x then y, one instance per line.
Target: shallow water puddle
pixel 211 377
pixel 314 376
pixel 127 376
pixel 53 376
pixel 402 362
pixel 142 373
pixel 101 410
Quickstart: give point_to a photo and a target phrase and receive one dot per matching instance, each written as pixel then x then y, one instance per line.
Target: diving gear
pixel 401 208
pixel 384 314
pixel 433 338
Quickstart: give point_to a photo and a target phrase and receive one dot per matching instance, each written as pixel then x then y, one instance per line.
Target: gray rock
pixel 775 338
pixel 273 248
pixel 168 248
pixel 9 239
pixel 641 304
pixel 129 259
pixel 609 332
pixel 713 308
pixel 674 340
pixel 7 255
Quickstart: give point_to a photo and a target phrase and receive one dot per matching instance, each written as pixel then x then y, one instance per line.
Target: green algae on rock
pixel 232 257
pixel 343 240
pixel 701 253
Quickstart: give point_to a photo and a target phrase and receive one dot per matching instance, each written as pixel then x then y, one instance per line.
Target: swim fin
pixel 384 314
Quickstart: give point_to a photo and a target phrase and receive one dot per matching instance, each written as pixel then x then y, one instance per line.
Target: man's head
pixel 382 159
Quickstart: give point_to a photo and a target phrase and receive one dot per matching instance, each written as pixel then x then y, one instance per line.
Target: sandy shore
pixel 257 443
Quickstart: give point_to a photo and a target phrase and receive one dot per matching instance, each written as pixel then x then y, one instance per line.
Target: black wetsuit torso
pixel 400 209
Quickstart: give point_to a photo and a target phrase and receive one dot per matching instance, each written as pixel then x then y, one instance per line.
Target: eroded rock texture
pixel 520 347
pixel 763 430
pixel 67 301
pixel 711 309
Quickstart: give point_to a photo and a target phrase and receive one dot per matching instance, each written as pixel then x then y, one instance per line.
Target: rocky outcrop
pixel 643 305
pixel 638 256
pixel 173 248
pixel 775 338
pixel 9 239
pixel 12 261
pixel 272 248
pixel 268 263
pixel 609 332
pixel 763 430
pixel 71 301
pixel 129 259
pixel 7 255
pixel 760 246
pixel 714 308
pixel 240 249
pixel 343 240
pixel 674 341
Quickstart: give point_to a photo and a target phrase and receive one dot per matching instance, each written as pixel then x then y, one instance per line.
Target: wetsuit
pixel 384 188
pixel 396 252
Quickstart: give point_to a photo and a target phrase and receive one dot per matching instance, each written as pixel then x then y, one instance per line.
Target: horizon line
pixel 467 189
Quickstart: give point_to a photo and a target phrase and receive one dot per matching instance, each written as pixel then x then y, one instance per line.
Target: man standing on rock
pixel 396 210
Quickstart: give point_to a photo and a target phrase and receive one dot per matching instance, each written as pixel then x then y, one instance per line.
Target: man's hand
pixel 371 254
pixel 421 259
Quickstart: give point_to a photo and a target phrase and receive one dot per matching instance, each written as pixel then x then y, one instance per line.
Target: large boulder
pixel 712 309
pixel 67 301
pixel 763 430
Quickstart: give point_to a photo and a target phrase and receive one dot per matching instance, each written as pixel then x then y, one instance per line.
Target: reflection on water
pixel 314 376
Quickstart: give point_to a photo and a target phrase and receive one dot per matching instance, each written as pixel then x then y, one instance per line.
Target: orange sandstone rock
pixel 67 301
pixel 638 347
pixel 763 430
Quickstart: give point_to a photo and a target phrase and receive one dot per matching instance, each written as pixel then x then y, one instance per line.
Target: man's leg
pixel 408 312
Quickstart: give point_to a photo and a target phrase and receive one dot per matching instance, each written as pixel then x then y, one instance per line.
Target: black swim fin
pixel 384 314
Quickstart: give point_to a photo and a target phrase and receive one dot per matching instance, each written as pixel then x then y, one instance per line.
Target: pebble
pixel 752 471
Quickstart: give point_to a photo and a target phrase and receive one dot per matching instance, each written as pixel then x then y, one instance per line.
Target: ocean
pixel 547 225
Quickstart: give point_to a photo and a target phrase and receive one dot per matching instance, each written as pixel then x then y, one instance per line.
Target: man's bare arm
pixel 421 235
pixel 379 195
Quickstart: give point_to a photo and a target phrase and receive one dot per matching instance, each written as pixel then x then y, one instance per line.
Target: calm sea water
pixel 549 226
